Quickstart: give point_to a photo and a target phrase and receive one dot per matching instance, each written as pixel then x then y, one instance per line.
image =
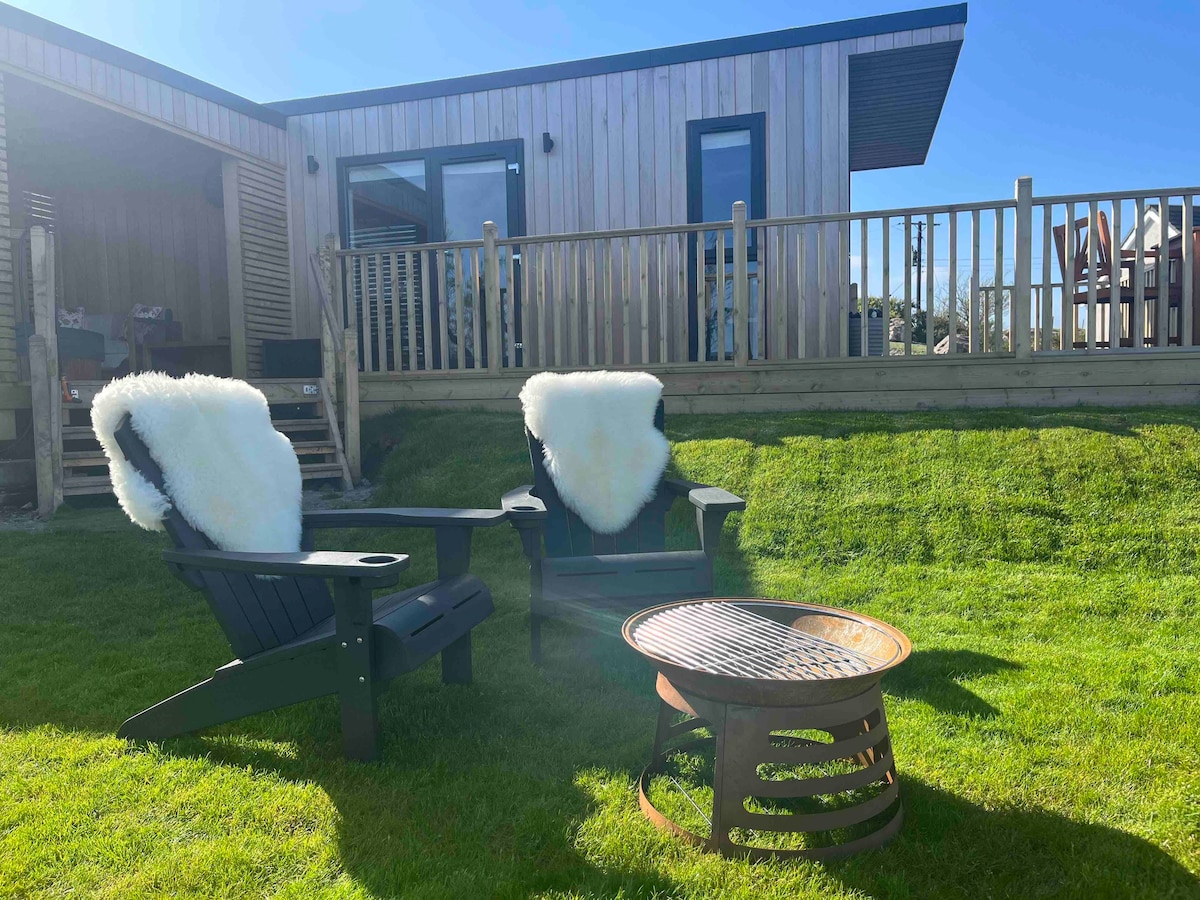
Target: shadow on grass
pixel 476 792
pixel 443 838
pixel 931 676
pixel 950 847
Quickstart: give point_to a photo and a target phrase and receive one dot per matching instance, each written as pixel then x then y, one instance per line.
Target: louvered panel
pixel 266 273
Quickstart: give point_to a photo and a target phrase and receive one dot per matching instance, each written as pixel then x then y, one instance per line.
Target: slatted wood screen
pixel 260 220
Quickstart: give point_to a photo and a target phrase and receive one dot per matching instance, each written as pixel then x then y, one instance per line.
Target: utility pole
pixel 920 240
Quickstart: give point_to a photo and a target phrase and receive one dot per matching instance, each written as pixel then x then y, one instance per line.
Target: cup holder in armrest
pixel 377 560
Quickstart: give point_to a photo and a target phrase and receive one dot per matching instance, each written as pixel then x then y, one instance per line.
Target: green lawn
pixel 1046 727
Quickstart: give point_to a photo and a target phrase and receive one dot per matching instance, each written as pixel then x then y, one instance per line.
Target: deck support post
pixel 741 288
pixel 491 297
pixel 44 379
pixel 43 394
pixel 351 422
pixel 1022 274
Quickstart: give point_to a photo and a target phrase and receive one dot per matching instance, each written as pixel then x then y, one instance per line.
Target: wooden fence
pixel 1021 276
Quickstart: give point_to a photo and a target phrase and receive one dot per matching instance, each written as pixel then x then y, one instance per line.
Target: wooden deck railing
pixel 1000 276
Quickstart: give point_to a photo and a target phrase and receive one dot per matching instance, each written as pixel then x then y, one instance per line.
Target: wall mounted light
pixel 313 165
pixel 547 142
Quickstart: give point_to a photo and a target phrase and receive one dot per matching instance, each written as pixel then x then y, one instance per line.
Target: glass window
pixel 387 203
pixel 474 193
pixel 724 173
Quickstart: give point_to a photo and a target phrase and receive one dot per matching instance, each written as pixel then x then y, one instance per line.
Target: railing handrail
pixel 615 233
pixel 897 213
pixel 324 301
pixel 1154 193
pixel 396 248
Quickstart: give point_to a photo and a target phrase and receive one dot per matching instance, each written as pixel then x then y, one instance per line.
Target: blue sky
pixel 1083 96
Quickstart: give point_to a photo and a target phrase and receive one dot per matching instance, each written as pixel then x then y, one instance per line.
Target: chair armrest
pixel 414 517
pixel 452 528
pixel 712 505
pixel 706 498
pixel 527 513
pixel 314 564
pixel 524 510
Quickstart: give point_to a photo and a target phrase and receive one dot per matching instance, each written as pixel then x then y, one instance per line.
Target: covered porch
pixel 136 218
pixel 138 244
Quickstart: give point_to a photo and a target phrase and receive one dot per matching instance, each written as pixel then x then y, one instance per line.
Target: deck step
pixel 74 485
pixel 309 448
pixel 76 459
pixel 86 484
pixel 78 433
pixel 300 424
pixel 81 458
pixel 314 471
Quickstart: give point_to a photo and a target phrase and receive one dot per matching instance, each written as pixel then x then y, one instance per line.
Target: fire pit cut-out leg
pixel 743 734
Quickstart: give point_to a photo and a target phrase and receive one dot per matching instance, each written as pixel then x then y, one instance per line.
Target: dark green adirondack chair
pixel 293 640
pixel 576 573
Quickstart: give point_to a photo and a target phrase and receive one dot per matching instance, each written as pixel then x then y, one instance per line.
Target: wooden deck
pixel 1169 376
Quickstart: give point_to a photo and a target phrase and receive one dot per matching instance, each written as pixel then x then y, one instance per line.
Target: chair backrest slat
pixel 565 533
pixel 1081 255
pixel 293 602
pixel 256 614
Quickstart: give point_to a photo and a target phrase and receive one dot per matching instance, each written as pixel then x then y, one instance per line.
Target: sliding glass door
pixel 430 196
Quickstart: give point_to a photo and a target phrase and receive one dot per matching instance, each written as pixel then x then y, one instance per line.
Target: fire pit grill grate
pixel 724 639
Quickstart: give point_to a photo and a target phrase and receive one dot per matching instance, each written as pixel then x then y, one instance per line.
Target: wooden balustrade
pixel 745 292
pixel 1120 284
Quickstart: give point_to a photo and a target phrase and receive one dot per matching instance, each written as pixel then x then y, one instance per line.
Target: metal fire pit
pixel 751 669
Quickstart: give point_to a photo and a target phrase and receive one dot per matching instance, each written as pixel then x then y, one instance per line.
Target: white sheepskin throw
pixel 225 468
pixel 602 450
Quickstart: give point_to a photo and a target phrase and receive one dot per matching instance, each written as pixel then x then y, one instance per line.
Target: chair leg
pixel 535 638
pixel 203 705
pixel 227 697
pixel 456 661
pixel 360 724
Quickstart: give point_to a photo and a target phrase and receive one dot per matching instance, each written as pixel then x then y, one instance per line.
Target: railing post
pixel 330 351
pixel 351 425
pixel 43 394
pixel 1022 260
pixel 491 296
pixel 336 291
pixel 741 288
pixel 44 374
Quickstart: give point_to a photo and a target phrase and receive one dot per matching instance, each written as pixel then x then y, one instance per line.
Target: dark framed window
pixel 726 162
pixel 425 196
pixel 419 196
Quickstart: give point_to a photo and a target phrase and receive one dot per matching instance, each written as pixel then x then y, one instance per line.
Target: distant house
pixel 1153 226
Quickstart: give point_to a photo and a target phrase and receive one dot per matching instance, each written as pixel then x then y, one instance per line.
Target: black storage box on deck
pixel 292 359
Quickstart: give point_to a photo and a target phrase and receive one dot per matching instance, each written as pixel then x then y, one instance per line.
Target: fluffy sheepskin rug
pixel 226 469
pixel 602 450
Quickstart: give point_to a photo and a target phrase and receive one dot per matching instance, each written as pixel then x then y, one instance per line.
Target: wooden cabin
pixel 653 138
pixel 156 221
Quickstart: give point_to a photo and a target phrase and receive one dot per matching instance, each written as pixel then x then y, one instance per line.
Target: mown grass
pixel 1046 728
